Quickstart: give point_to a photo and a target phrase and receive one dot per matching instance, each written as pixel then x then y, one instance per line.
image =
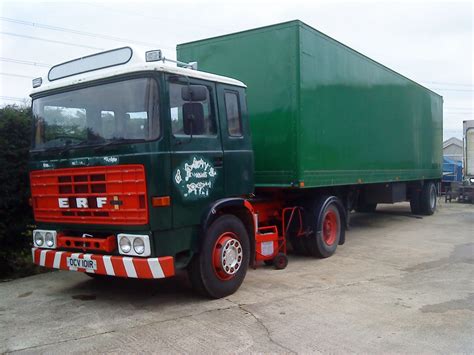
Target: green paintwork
pixel 323 113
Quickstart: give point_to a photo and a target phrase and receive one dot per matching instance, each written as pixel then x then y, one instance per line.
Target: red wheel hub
pixel 227 256
pixel 330 227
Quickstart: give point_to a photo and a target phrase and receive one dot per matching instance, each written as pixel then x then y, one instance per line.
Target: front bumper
pixel 121 266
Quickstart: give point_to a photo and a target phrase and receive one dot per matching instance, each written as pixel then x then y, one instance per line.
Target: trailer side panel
pixel 323 114
pixel 360 122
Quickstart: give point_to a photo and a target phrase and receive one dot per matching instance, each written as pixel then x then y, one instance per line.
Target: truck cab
pixel 129 154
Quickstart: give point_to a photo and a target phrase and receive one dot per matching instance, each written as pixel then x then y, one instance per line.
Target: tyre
pixel 327 228
pixel 366 208
pixel 220 267
pixel 268 262
pixel 280 261
pixel 428 199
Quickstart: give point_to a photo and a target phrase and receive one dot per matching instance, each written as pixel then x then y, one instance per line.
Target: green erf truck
pixel 142 166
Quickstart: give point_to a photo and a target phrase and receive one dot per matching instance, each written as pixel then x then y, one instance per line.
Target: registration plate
pixel 75 262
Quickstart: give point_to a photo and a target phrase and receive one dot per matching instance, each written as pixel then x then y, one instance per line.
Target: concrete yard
pixel 400 284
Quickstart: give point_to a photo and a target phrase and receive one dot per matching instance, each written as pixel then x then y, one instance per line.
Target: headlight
pixel 44 238
pixel 49 239
pixel 125 245
pixel 134 244
pixel 39 239
pixel 139 246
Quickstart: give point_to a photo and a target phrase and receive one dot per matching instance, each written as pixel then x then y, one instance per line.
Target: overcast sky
pixel 430 42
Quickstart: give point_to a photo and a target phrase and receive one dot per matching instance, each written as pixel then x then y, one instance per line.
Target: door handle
pixel 218 161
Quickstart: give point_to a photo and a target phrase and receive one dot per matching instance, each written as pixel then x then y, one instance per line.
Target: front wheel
pixel 221 265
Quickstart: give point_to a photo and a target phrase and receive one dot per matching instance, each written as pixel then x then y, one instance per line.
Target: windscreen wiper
pixel 67 148
pixel 119 141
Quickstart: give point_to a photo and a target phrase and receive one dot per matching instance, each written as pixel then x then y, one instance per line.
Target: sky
pixel 429 42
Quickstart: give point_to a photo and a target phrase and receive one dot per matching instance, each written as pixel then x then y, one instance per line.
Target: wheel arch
pixel 236 206
pixel 326 200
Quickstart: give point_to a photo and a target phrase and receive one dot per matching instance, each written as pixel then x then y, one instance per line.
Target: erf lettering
pixel 81 202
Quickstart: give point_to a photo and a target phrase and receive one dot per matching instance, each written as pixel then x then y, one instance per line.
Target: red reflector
pixel 160 201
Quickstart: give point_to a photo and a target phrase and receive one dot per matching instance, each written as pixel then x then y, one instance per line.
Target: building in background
pixel 452 149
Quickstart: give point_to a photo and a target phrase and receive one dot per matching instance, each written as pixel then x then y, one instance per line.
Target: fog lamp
pixel 39 239
pixel 138 246
pixel 49 239
pixel 125 245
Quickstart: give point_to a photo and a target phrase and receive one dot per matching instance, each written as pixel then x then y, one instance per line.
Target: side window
pixel 204 127
pixel 232 108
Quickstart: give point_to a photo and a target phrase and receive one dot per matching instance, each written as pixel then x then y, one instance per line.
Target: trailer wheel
pixel 221 265
pixel 428 199
pixel 323 242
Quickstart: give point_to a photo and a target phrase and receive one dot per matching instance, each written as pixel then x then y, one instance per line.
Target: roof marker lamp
pixel 153 56
pixel 37 82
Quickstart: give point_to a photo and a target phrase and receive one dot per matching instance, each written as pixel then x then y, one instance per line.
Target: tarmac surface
pixel 401 283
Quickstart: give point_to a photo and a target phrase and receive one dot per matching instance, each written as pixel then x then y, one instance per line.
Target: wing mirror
pixel 193 115
pixel 194 93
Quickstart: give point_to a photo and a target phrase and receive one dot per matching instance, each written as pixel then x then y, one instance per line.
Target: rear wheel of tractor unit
pixel 428 196
pixel 221 265
pixel 327 226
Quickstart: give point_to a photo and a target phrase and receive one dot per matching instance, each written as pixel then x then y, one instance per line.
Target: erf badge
pixel 195 179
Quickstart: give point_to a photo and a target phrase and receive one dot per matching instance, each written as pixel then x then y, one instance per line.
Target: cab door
pixel 236 141
pixel 197 159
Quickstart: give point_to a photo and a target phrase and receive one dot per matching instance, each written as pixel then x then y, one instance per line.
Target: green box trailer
pixel 321 113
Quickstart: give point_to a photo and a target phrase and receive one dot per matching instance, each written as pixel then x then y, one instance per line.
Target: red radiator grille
pixel 97 195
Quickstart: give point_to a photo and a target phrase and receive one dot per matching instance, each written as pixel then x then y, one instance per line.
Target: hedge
pixel 15 212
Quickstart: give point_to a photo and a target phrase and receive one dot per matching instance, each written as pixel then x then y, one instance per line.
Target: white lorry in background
pixel 467 190
pixel 468 142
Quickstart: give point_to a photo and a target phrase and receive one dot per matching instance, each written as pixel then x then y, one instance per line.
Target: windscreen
pixel 110 113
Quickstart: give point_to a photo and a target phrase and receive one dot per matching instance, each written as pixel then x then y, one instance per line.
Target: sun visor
pixel 90 63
